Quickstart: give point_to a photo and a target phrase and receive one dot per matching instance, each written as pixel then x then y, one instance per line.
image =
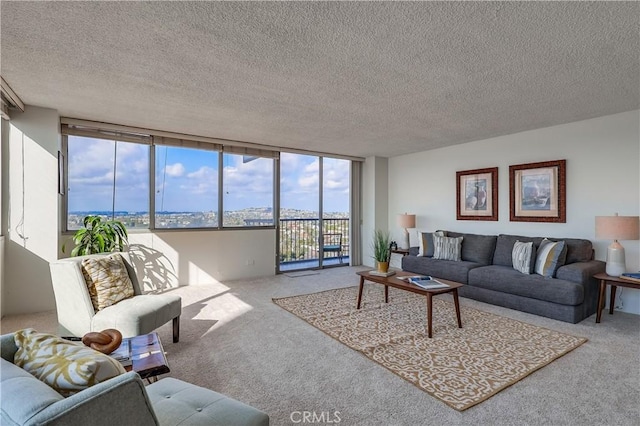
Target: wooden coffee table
pixel 393 281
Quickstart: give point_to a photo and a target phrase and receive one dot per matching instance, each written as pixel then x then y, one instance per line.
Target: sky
pixel 187 179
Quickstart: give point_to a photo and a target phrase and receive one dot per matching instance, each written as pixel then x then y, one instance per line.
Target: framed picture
pixel 477 194
pixel 537 192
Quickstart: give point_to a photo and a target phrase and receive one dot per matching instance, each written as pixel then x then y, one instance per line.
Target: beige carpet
pixel 460 367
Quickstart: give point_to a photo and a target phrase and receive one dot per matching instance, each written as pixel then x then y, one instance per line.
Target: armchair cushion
pixel 23 396
pixel 65 366
pixel 108 280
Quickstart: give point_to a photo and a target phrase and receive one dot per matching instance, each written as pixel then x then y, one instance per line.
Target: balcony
pixel 300 243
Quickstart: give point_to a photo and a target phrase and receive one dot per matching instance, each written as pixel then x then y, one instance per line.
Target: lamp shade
pixel 618 227
pixel 407 220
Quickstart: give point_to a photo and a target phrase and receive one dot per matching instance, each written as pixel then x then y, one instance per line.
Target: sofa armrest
pixel 121 400
pixel 8 347
pixel 580 272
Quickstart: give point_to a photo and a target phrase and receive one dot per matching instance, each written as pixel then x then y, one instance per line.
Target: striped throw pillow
pixel 523 257
pixel 426 243
pixel 447 248
pixel 551 256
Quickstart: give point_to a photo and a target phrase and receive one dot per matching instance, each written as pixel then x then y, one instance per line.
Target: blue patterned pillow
pixel 551 256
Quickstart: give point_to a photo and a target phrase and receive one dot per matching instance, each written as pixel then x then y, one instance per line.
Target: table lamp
pixel 406 221
pixel 617 228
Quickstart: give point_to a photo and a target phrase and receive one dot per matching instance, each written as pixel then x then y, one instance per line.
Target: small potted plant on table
pixel 381 250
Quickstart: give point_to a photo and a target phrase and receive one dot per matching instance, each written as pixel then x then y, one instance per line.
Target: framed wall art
pixel 477 194
pixel 537 192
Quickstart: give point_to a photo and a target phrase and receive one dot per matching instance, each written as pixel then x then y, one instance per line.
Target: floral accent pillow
pixel 110 279
pixel 65 366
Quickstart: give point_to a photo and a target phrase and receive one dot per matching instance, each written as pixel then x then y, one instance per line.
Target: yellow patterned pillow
pixel 110 279
pixel 65 366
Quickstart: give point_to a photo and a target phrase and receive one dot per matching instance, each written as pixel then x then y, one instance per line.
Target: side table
pixel 614 282
pixel 401 251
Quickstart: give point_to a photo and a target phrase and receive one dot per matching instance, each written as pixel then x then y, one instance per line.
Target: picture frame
pixel 537 192
pixel 477 194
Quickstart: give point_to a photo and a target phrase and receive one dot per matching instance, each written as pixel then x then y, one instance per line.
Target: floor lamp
pixel 406 221
pixel 617 228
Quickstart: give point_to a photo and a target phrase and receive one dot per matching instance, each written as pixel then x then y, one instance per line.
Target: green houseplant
pixel 381 249
pixel 97 236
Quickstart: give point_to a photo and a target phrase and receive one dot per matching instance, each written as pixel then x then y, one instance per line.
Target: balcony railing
pixel 300 240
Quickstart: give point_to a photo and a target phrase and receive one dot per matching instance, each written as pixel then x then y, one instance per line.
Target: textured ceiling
pixel 365 78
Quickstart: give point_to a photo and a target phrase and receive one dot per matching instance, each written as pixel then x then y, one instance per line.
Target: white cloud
pixel 174 170
pixel 204 172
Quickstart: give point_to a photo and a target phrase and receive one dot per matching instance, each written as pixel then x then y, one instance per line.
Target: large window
pixel 108 178
pixel 247 184
pixel 186 193
pixel 186 185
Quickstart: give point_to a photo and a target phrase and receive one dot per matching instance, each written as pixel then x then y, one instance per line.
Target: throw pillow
pixel 65 366
pixel 414 236
pixel 92 289
pixel 426 243
pixel 447 248
pixel 110 278
pixel 551 256
pixel 523 257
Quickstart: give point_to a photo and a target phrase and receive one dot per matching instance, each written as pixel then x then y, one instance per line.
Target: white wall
pixel 603 177
pixel 30 204
pixel 205 257
pixel 375 203
pixel 30 197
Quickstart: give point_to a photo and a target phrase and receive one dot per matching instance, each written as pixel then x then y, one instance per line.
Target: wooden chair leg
pixel 176 329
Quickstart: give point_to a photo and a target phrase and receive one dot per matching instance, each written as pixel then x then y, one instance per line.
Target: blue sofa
pixel 122 400
pixel 487 270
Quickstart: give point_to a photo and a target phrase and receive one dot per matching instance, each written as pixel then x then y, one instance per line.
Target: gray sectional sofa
pixel 488 273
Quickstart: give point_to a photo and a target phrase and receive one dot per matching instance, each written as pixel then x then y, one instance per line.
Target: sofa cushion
pixel 446 248
pixel 523 257
pixel 578 250
pixel 23 396
pixel 176 402
pixel 426 247
pixel 138 315
pixel 504 248
pixel 447 269
pixel 508 280
pixel 414 236
pixel 476 248
pixel 65 366
pixel 551 255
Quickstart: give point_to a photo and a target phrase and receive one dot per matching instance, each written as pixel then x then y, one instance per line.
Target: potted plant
pixel 97 236
pixel 381 250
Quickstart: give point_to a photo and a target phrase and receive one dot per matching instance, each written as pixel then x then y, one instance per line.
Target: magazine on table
pixel 425 281
pixel 123 353
pixel 631 276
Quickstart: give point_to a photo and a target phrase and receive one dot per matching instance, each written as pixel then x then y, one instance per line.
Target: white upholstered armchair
pixel 132 316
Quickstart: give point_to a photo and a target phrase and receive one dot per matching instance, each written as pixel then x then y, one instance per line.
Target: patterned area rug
pixel 461 367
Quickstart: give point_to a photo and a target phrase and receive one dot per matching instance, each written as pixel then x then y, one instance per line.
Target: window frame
pixel 64 208
pixel 115 132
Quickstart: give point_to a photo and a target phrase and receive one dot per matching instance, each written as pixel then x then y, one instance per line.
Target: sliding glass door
pixel 313 229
